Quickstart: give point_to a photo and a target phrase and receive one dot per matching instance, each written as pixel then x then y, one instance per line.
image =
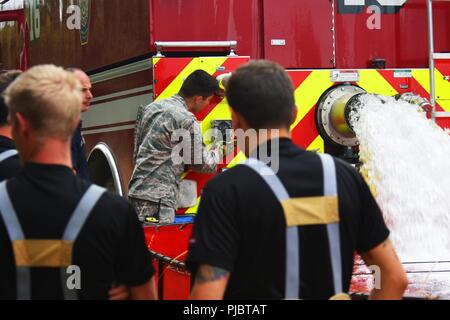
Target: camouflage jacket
pixel 157 173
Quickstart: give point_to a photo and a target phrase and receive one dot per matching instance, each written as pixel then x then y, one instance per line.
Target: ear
pixel 20 124
pixel 198 99
pixel 238 120
pixel 234 119
pixel 294 114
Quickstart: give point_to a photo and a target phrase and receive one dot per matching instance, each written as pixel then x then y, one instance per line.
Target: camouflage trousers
pixel 145 209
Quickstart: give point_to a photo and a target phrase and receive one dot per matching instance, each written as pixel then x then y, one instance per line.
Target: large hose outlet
pixel 333 113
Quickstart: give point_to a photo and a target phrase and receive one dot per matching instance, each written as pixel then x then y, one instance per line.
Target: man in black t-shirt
pixel 60 236
pixel 289 235
pixel 9 159
pixel 78 146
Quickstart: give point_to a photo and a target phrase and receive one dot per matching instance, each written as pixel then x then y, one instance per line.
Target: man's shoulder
pixel 9 168
pixel 6 144
pixel 347 172
pixel 235 176
pixel 114 204
pixel 169 109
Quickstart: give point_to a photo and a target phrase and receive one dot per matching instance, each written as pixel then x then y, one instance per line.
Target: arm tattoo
pixel 206 273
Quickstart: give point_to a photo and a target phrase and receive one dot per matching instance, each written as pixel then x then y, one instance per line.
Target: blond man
pixel 80 240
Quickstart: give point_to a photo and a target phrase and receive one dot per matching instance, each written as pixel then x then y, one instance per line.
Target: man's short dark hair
pixel 199 83
pixel 73 69
pixel 262 92
pixel 6 78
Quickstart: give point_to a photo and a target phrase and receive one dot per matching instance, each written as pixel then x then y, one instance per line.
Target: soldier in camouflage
pixel 155 182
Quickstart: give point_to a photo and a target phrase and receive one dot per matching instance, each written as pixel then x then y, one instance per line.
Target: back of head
pixel 262 92
pixel 6 78
pixel 49 98
pixel 199 83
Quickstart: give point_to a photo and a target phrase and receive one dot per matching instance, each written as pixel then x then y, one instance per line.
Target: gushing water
pixel 406 160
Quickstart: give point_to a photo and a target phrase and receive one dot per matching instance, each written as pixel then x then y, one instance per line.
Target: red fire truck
pixel 141 50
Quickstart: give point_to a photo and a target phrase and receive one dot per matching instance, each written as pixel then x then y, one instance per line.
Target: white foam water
pixel 406 159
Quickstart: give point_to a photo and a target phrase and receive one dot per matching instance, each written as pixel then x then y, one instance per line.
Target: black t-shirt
pixel 11 166
pixel 240 227
pixel 78 150
pixel 110 248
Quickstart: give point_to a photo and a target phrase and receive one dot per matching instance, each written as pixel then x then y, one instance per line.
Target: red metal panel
pixel 171 241
pixel 306 28
pixel 177 285
pixel 19 16
pixel 402 38
pixel 208 20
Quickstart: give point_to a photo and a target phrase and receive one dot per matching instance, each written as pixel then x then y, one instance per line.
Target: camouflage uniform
pixel 156 175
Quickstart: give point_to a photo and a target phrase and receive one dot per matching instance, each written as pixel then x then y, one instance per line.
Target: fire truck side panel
pixel 399 38
pixel 110 120
pixel 207 20
pixel 116 32
pixel 294 37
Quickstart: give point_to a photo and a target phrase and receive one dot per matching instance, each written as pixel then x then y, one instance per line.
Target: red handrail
pixel 19 16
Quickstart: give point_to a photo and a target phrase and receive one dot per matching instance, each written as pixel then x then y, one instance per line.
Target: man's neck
pixel 5 131
pixel 271 134
pixel 187 102
pixel 51 152
pixel 274 134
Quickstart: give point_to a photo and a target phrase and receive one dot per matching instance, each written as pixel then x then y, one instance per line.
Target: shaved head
pixel 86 87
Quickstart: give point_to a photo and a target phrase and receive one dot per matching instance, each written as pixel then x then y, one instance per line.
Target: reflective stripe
pixel 269 177
pixel 76 223
pixel 292 289
pixel 23 285
pixel 329 175
pixel 8 213
pixel 334 235
pixel 12 225
pixel 292 284
pixel 334 239
pixel 8 154
pixel 81 213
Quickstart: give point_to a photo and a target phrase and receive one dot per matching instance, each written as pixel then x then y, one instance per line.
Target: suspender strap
pixel 76 223
pixel 292 290
pixel 334 238
pixel 15 233
pixel 292 283
pixel 7 154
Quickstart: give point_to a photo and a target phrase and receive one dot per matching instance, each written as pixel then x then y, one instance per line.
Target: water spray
pixel 337 109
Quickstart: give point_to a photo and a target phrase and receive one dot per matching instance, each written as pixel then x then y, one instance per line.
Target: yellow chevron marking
pixel 210 65
pixel 317 145
pixel 309 92
pixel 442 86
pixel 155 61
pixel 373 82
pixel 241 157
pixel 194 209
pixel 183 176
pixel 220 112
